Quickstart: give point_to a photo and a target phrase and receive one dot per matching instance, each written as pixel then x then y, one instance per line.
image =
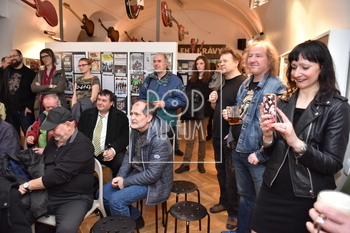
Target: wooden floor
pixel 209 191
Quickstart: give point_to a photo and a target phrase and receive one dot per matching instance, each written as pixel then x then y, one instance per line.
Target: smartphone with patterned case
pixel 270 104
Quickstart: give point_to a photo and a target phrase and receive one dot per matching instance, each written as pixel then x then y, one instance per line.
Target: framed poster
pixel 96 59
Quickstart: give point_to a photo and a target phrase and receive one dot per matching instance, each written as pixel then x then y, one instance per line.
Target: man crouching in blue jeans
pixel 147 169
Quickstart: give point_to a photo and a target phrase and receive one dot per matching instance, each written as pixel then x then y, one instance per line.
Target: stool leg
pixel 177 198
pixel 208 230
pixel 187 227
pixel 156 213
pixel 164 208
pixel 166 222
pixel 185 196
pixel 175 225
pixel 199 196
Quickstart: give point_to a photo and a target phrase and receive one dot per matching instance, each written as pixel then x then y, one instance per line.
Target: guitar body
pixel 88 26
pixel 133 10
pixel 113 34
pixel 46 10
pixel 166 14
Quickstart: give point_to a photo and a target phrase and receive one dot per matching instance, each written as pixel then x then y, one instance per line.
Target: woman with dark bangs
pixel 306 144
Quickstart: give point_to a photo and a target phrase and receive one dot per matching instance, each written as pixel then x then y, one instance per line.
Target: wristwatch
pixel 26 186
pixel 303 148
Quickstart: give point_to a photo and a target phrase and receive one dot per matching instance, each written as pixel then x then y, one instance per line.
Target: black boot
pixel 201 168
pixel 182 168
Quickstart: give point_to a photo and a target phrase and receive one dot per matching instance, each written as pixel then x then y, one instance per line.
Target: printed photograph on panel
pixel 136 83
pixel 120 64
pixel 67 62
pixel 95 57
pixel 121 86
pixel 136 61
pixel 107 62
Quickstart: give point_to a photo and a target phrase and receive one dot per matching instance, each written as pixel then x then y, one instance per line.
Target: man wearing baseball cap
pixel 69 168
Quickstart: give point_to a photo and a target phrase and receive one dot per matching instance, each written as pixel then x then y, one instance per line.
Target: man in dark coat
pixel 111 140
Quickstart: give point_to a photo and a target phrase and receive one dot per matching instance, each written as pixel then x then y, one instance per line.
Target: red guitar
pixel 168 19
pixel 133 8
pixel 133 39
pixel 111 32
pixel 88 25
pixel 46 10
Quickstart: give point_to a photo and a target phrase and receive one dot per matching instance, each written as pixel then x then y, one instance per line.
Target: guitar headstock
pixel 66 5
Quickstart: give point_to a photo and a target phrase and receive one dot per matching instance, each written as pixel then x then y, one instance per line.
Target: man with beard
pixel 16 94
pixel 69 169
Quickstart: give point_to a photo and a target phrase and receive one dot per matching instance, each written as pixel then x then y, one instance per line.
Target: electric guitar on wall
pixel 88 25
pixel 111 32
pixel 133 8
pixel 46 10
pixel 168 19
pixel 133 39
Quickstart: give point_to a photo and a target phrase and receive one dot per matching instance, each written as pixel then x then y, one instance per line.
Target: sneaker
pixel 140 222
pixel 183 168
pixel 231 223
pixel 179 153
pixel 201 168
pixel 208 138
pixel 217 208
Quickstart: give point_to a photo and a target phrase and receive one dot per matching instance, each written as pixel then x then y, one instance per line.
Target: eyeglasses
pixel 45 56
pixel 13 56
pixel 82 65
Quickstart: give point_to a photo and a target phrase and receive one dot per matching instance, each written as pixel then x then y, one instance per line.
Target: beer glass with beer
pixel 233 115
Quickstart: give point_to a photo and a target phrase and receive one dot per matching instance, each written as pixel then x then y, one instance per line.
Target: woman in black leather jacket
pixel 306 144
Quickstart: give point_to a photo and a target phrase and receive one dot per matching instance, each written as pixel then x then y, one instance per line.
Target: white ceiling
pixel 236 12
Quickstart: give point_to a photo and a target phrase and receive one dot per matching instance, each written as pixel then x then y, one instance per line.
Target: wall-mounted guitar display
pixel 133 8
pixel 46 10
pixel 111 32
pixel 133 39
pixel 88 25
pixel 168 19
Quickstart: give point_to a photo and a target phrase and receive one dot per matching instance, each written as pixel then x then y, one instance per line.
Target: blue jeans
pixel 118 201
pixel 249 179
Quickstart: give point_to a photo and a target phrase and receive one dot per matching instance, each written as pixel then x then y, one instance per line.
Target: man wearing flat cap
pixel 69 168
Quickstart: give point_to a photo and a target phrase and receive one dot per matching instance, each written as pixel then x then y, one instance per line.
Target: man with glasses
pixel 16 94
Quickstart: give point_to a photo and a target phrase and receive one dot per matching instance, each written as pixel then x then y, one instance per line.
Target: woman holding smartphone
pixel 306 144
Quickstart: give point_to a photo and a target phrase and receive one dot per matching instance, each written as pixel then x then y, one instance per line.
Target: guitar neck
pixel 127 35
pixel 76 15
pixel 173 19
pixel 29 3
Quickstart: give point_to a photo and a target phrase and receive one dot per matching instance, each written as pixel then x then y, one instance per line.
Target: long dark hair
pixel 206 74
pixel 50 53
pixel 317 52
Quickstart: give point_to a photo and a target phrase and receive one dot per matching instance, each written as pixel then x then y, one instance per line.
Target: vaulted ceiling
pixel 236 12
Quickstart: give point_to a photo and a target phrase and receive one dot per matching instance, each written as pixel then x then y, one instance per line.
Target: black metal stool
pixel 139 206
pixel 114 224
pixel 187 211
pixel 184 187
